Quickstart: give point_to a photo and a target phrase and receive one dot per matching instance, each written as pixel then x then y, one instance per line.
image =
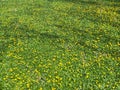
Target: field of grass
pixel 59 45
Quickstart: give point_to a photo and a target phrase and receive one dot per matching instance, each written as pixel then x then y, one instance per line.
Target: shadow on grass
pixel 104 40
pixel 96 18
pixel 3 48
pixel 15 30
pixel 90 2
pixel 1 87
pixel 23 32
pixel 84 1
pixel 48 35
pixel 113 0
pixel 78 1
pixel 93 2
pixel 118 11
pixel 105 21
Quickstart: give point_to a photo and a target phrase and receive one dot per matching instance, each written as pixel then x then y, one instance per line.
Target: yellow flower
pixel 87 75
pixel 10 54
pixel 60 64
pixel 28 85
pixel 10 69
pixel 48 81
pixel 99 85
pixel 41 88
pixel 53 88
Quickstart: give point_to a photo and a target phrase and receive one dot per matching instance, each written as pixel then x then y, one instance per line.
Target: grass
pixel 59 45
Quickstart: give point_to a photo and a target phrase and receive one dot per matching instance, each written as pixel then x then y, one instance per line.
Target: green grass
pixel 59 45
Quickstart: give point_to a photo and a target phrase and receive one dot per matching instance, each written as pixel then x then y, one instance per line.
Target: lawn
pixel 59 45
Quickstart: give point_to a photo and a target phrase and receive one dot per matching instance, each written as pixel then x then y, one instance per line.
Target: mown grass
pixel 59 45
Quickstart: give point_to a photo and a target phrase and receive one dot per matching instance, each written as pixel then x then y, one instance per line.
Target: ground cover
pixel 59 45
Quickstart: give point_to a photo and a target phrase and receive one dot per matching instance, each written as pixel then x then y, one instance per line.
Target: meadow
pixel 59 45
